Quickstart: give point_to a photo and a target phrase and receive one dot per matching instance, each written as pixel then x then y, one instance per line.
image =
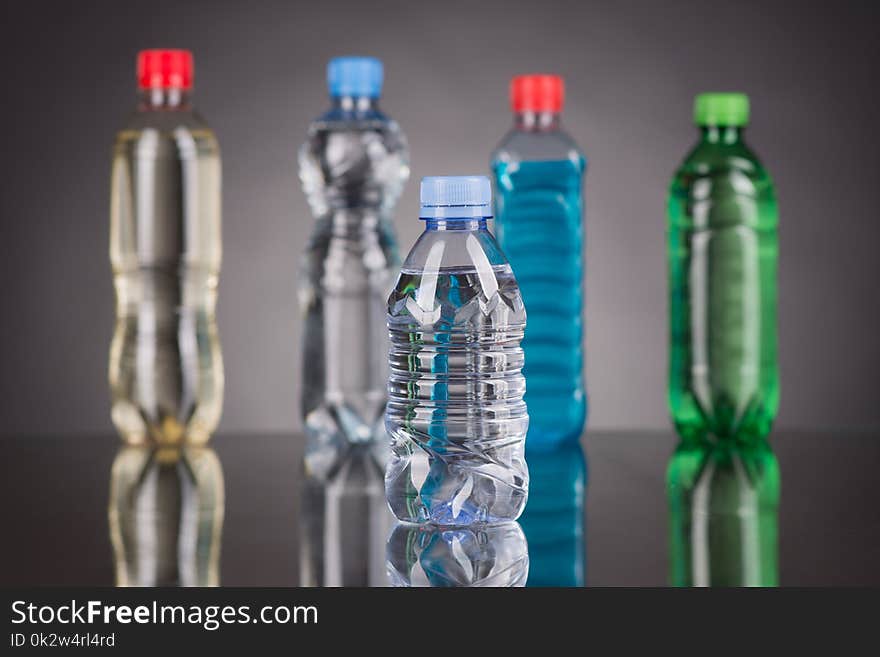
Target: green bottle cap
pixel 721 109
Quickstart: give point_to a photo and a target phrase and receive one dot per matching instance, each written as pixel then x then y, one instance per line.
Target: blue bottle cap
pixel 355 76
pixel 448 197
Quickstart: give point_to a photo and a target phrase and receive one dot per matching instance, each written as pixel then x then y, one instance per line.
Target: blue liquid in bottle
pixel 554 520
pixel 538 171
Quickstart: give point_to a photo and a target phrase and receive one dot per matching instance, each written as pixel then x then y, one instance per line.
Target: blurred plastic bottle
pixel 553 520
pixel 166 516
pixel 456 414
pixel 476 556
pixel 353 167
pixel 538 175
pixel 344 523
pixel 166 371
pixel 724 515
pixel 723 372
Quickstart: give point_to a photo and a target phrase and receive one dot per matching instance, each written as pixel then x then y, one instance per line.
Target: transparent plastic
pixel 538 172
pixel 166 370
pixel 476 556
pixel 456 414
pixel 166 516
pixel 353 167
pixel 344 523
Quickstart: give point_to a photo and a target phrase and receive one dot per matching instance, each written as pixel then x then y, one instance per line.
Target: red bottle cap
pixel 165 69
pixel 537 93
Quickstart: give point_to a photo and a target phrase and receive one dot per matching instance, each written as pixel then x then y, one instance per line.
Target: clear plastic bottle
pixel 456 414
pixel 353 167
pixel 538 176
pixel 166 516
pixel 344 523
pixel 166 371
pixel 475 556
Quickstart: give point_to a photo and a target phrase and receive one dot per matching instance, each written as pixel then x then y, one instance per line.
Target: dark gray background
pixel 631 68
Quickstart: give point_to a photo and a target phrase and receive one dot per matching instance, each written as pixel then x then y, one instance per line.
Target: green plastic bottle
pixel 723 374
pixel 723 502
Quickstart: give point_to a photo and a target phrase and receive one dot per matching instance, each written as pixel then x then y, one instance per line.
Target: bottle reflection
pixel 553 521
pixel 166 516
pixel 724 502
pixel 344 520
pixel 476 555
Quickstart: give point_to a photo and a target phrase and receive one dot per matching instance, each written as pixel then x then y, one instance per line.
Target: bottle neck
pixel 360 220
pixel 462 224
pixel 722 134
pixel 165 99
pixel 354 103
pixel 537 121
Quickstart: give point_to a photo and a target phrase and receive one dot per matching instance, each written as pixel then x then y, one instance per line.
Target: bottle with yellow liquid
pixel 166 372
pixel 166 516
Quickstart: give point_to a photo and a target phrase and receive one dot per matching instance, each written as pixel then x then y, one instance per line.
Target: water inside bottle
pixel 455 413
pixel 352 166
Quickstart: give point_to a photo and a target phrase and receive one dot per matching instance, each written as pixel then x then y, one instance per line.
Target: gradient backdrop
pixel 631 68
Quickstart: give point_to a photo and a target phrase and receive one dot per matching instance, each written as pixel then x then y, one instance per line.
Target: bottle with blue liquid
pixel 538 173
pixel 554 521
pixel 353 166
pixel 456 414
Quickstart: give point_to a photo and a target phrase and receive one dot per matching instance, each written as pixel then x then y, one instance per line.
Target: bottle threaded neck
pixel 722 134
pixel 457 224
pixel 167 98
pixel 530 121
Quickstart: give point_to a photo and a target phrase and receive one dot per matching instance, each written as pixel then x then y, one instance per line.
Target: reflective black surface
pixel 167 512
